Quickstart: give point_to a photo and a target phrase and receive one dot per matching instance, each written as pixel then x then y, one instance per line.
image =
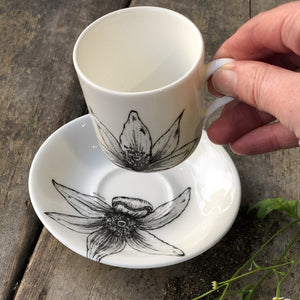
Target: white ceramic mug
pixel 142 73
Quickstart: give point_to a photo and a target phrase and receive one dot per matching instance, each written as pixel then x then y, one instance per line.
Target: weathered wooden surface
pixel 40 92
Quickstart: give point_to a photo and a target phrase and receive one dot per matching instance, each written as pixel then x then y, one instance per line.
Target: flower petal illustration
pixel 78 224
pixel 126 222
pixel 179 155
pixel 168 142
pixel 101 243
pixel 146 242
pixel 135 134
pixel 109 143
pixel 136 143
pixel 134 149
pixel 166 212
pixel 86 205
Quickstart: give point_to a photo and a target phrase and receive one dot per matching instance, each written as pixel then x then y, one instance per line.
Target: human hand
pixel 264 79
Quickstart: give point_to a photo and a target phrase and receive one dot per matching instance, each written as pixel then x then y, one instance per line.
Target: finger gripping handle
pixel 212 67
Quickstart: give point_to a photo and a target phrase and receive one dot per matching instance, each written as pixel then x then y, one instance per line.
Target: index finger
pixel 273 31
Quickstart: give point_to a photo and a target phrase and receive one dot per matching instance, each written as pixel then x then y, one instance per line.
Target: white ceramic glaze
pixel 145 64
pixel 205 190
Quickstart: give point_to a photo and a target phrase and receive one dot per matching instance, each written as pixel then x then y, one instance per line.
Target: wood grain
pixel 40 92
pixel 57 273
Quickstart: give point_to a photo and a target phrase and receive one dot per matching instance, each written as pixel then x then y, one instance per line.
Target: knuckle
pixel 290 32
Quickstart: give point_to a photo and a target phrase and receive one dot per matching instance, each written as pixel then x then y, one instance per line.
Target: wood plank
pixel 258 6
pixel 39 93
pixel 55 272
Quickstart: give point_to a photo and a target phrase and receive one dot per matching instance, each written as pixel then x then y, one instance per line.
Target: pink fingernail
pixel 224 80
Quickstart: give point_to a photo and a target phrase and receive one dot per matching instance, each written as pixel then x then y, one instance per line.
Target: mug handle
pixel 212 67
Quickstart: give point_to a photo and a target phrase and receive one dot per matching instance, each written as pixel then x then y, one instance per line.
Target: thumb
pixel 266 87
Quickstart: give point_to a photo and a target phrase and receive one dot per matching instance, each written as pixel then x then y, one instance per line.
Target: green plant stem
pixel 207 293
pixel 280 258
pixel 294 261
pixel 254 271
pixel 271 269
pixel 277 276
pixel 227 282
pixel 257 252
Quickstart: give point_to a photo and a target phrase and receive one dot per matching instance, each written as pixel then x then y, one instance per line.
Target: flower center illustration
pixel 120 225
pixel 136 159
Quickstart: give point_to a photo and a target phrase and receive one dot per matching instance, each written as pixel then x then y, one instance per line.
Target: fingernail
pixel 224 80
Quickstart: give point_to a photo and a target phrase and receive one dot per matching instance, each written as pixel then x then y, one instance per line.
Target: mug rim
pixel 160 89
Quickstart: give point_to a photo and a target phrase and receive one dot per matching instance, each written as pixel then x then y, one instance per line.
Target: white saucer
pixel 72 184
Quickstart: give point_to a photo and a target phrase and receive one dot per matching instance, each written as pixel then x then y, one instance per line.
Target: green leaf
pixel 266 206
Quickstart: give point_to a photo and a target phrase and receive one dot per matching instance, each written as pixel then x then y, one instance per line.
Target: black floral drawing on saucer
pixel 134 149
pixel 127 221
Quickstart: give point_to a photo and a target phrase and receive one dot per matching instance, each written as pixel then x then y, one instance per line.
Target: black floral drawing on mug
pixel 134 149
pixel 126 221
